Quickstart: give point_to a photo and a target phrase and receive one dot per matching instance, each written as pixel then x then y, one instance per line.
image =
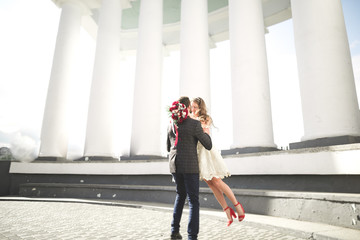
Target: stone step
pixel 149 193
pixel 339 209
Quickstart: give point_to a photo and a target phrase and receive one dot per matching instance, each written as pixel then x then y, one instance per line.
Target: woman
pixel 212 166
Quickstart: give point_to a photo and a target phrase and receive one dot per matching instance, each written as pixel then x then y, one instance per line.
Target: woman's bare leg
pixel 224 188
pixel 217 193
pixel 219 197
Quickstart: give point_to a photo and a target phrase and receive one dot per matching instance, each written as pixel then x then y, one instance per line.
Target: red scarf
pixel 177 135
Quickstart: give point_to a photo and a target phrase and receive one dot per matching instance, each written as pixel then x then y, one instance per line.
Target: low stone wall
pixel 332 160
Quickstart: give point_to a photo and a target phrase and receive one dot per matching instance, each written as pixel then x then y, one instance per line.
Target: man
pixel 182 142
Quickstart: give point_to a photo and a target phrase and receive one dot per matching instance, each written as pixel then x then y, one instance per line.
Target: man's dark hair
pixel 185 101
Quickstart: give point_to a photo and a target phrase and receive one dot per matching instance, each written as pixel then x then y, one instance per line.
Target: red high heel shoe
pixel 241 217
pixel 232 214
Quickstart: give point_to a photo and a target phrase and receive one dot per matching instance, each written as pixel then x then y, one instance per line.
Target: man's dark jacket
pixel 183 157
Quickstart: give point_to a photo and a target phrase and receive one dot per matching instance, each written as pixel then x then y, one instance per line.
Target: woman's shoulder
pixel 206 119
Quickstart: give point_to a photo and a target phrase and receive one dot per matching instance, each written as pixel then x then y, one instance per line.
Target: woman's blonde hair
pixel 202 112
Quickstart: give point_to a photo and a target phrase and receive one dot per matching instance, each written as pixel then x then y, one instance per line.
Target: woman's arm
pixel 203 137
pixel 205 124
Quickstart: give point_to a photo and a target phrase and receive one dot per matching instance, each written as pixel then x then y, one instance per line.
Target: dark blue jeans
pixel 187 184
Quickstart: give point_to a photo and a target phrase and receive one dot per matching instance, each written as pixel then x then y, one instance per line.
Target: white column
pixel 328 94
pixel 194 50
pixel 100 126
pixel 145 135
pixel 252 121
pixel 54 132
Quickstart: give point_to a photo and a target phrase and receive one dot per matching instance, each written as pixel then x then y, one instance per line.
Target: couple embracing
pixel 192 157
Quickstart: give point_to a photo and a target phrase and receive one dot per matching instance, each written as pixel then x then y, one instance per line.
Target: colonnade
pixel 329 104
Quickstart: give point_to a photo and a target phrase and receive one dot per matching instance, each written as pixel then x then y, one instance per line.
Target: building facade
pixel 316 180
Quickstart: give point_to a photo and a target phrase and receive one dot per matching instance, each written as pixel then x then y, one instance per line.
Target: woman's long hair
pixel 202 112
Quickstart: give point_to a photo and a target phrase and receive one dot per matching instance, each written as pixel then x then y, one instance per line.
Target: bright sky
pixel 29 30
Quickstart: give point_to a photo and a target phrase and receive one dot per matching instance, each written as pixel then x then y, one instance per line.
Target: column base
pixel 248 150
pixel 143 157
pixel 327 141
pixel 49 159
pixel 98 158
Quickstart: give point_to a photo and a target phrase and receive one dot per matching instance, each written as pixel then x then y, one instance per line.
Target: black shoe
pixel 175 236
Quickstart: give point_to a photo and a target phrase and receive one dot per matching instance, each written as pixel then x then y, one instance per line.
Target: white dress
pixel 211 163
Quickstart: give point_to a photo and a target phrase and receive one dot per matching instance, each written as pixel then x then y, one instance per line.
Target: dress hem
pixel 214 176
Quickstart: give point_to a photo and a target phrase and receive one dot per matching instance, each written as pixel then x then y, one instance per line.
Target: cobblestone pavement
pixel 62 220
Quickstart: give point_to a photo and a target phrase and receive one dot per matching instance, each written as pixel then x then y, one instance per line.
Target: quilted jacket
pixel 183 157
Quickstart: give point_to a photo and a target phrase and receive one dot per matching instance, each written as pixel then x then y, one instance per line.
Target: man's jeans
pixel 186 184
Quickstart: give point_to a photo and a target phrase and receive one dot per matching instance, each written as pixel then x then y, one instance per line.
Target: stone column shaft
pixel 145 139
pixel 329 102
pixel 194 50
pixel 54 132
pixel 252 120
pixel 100 126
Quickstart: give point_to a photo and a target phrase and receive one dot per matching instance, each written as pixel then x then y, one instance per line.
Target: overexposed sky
pixel 28 35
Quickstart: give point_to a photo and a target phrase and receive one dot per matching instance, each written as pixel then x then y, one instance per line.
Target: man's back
pixel 183 157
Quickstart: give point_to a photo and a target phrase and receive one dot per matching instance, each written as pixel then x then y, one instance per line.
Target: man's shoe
pixel 175 236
